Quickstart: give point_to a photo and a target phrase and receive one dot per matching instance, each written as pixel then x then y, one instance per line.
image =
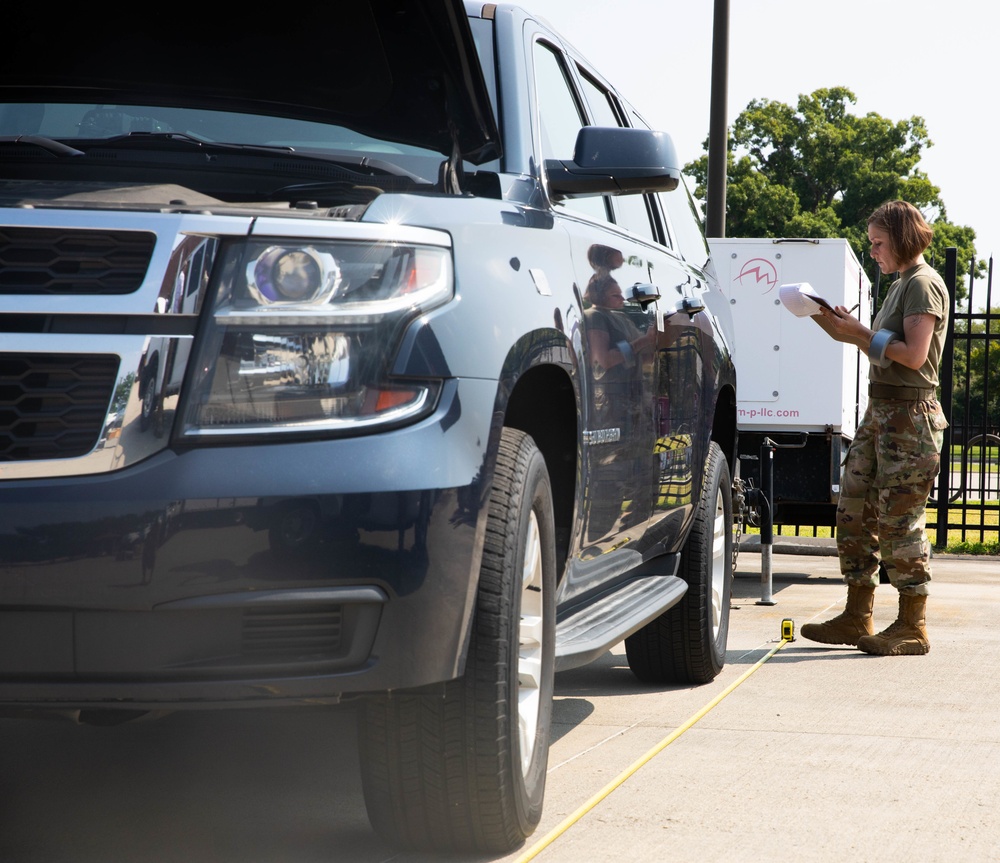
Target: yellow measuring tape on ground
pixel 787 635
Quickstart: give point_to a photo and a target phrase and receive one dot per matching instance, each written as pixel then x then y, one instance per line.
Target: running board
pixel 587 633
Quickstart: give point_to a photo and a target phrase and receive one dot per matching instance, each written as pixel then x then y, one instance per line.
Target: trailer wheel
pixel 687 643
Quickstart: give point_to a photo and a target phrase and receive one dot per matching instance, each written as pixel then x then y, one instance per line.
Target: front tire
pixel 687 643
pixel 466 771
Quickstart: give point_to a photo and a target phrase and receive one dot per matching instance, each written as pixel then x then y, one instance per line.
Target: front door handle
pixel 643 294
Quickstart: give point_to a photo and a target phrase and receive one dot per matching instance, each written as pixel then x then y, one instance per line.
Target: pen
pixel 854 308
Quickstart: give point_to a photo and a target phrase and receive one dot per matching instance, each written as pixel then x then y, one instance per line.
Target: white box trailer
pixel 796 384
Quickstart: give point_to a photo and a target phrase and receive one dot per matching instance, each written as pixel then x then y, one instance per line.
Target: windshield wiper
pixel 360 165
pixel 56 148
pixel 186 141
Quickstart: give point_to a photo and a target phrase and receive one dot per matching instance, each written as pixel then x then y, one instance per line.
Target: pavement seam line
pixel 597 745
pixel 630 771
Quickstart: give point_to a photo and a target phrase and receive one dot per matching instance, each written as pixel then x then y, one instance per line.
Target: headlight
pixel 301 336
pixel 295 275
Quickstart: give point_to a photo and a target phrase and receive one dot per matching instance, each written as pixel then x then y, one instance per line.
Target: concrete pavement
pixel 822 754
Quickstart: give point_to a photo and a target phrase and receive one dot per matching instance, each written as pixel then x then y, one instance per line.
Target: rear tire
pixel 687 643
pixel 466 771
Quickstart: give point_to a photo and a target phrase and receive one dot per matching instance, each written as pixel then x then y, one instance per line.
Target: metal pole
pixel 718 132
pixel 766 520
pixel 947 396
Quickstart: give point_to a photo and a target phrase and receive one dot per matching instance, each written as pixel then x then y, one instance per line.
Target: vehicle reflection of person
pixel 615 340
pixel 618 349
pixel 603 259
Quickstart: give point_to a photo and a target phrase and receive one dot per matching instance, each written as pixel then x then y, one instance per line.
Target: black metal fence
pixel 966 502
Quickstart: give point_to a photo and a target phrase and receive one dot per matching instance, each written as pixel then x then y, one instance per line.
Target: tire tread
pixel 438 772
pixel 677 646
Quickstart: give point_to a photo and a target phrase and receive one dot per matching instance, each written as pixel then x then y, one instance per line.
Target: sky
pixel 936 60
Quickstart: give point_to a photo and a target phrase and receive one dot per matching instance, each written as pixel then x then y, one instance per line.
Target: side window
pixel 630 210
pixel 686 234
pixel 685 225
pixel 631 213
pixel 599 101
pixel 634 211
pixel 560 118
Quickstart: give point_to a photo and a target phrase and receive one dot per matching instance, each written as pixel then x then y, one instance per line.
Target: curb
pixel 812 545
pixel 820 546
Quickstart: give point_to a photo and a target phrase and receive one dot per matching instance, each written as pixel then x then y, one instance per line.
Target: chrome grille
pixel 73 260
pixel 53 405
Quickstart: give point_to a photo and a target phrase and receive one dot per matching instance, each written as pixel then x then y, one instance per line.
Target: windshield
pixel 80 122
pixel 235 157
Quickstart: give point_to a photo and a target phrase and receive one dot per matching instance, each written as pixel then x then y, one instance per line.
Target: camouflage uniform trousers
pixel 888 474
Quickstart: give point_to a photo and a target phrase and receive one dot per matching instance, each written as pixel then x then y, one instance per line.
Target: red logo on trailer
pixel 758 272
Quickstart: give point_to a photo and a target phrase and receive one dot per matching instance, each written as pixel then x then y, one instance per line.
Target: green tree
pixel 817 170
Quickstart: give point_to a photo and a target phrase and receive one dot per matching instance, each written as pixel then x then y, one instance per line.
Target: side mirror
pixel 615 161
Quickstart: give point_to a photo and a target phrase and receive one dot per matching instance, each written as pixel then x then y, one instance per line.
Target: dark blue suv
pixel 380 359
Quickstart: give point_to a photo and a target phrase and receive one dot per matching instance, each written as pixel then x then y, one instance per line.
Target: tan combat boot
pixel 850 625
pixel 906 636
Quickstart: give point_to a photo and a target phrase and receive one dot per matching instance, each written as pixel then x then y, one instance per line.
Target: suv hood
pixel 403 70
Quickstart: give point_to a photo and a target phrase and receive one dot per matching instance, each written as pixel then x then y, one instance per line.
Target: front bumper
pixel 266 573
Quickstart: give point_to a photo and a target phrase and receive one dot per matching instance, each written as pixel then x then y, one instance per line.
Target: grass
pixel 986 521
pixel 975 465
pixel 977 458
pixel 973 548
pixel 974 453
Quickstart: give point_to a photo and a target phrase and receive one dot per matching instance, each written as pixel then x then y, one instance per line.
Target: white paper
pixel 801 300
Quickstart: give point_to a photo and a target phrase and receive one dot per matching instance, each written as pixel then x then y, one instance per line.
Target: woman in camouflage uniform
pixel 893 460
